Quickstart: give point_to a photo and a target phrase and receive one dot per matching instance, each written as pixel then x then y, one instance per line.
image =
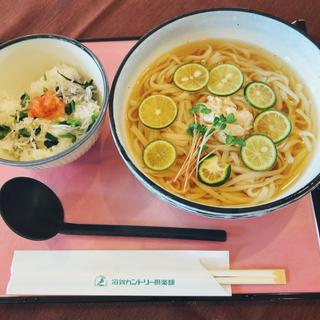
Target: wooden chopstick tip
pixel 280 276
pixel 250 276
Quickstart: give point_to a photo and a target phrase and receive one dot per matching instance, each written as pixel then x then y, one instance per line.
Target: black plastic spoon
pixel 33 211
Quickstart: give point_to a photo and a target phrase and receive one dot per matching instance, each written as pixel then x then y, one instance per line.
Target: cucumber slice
pixel 259 153
pixel 259 95
pixel 213 173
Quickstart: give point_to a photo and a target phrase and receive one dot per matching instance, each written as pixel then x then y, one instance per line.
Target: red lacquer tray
pixel 98 188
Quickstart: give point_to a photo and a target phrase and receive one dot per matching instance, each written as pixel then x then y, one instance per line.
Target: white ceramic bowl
pixel 25 59
pixel 279 37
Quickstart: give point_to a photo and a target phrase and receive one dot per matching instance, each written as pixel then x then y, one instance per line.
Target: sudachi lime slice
pixel 157 111
pixel 274 124
pixel 259 95
pixel 259 153
pixel 212 172
pixel 159 155
pixel 225 79
pixel 191 77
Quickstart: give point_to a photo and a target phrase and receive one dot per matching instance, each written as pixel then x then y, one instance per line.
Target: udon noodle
pixel 245 187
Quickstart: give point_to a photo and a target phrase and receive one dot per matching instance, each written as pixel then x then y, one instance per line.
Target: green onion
pixel 70 107
pixel 51 140
pixel 24 132
pixel 71 122
pixel 69 135
pixel 4 130
pixel 94 117
pixel 24 100
pixel 37 131
pixel 22 115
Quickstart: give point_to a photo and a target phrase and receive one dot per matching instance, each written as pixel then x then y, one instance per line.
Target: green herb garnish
pixel 223 118
pixel 45 77
pixel 227 132
pixel 24 132
pixel 200 108
pixel 211 131
pixel 229 139
pixel 216 121
pixel 223 126
pixel 231 118
pixel 222 121
pixel 51 140
pixel 197 128
pixel 219 123
pixel 235 141
pixel 69 135
pixel 45 89
pixel 4 130
pixel 70 107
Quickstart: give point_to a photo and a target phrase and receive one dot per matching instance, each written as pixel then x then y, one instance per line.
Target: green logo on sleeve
pixel 100 281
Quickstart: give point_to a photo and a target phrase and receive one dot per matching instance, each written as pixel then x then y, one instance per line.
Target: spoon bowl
pixel 31 209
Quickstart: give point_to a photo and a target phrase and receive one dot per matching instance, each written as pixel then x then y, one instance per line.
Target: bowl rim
pixel 104 104
pixel 171 197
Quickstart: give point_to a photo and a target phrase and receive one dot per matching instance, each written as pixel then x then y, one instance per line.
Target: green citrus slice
pixel 225 80
pixel 212 172
pixel 158 111
pixel 274 124
pixel 259 95
pixel 191 77
pixel 259 153
pixel 159 155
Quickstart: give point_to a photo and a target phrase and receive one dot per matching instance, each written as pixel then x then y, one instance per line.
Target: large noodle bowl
pixel 243 186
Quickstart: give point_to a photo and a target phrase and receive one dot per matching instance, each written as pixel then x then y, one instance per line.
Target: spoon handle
pixel 143 231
